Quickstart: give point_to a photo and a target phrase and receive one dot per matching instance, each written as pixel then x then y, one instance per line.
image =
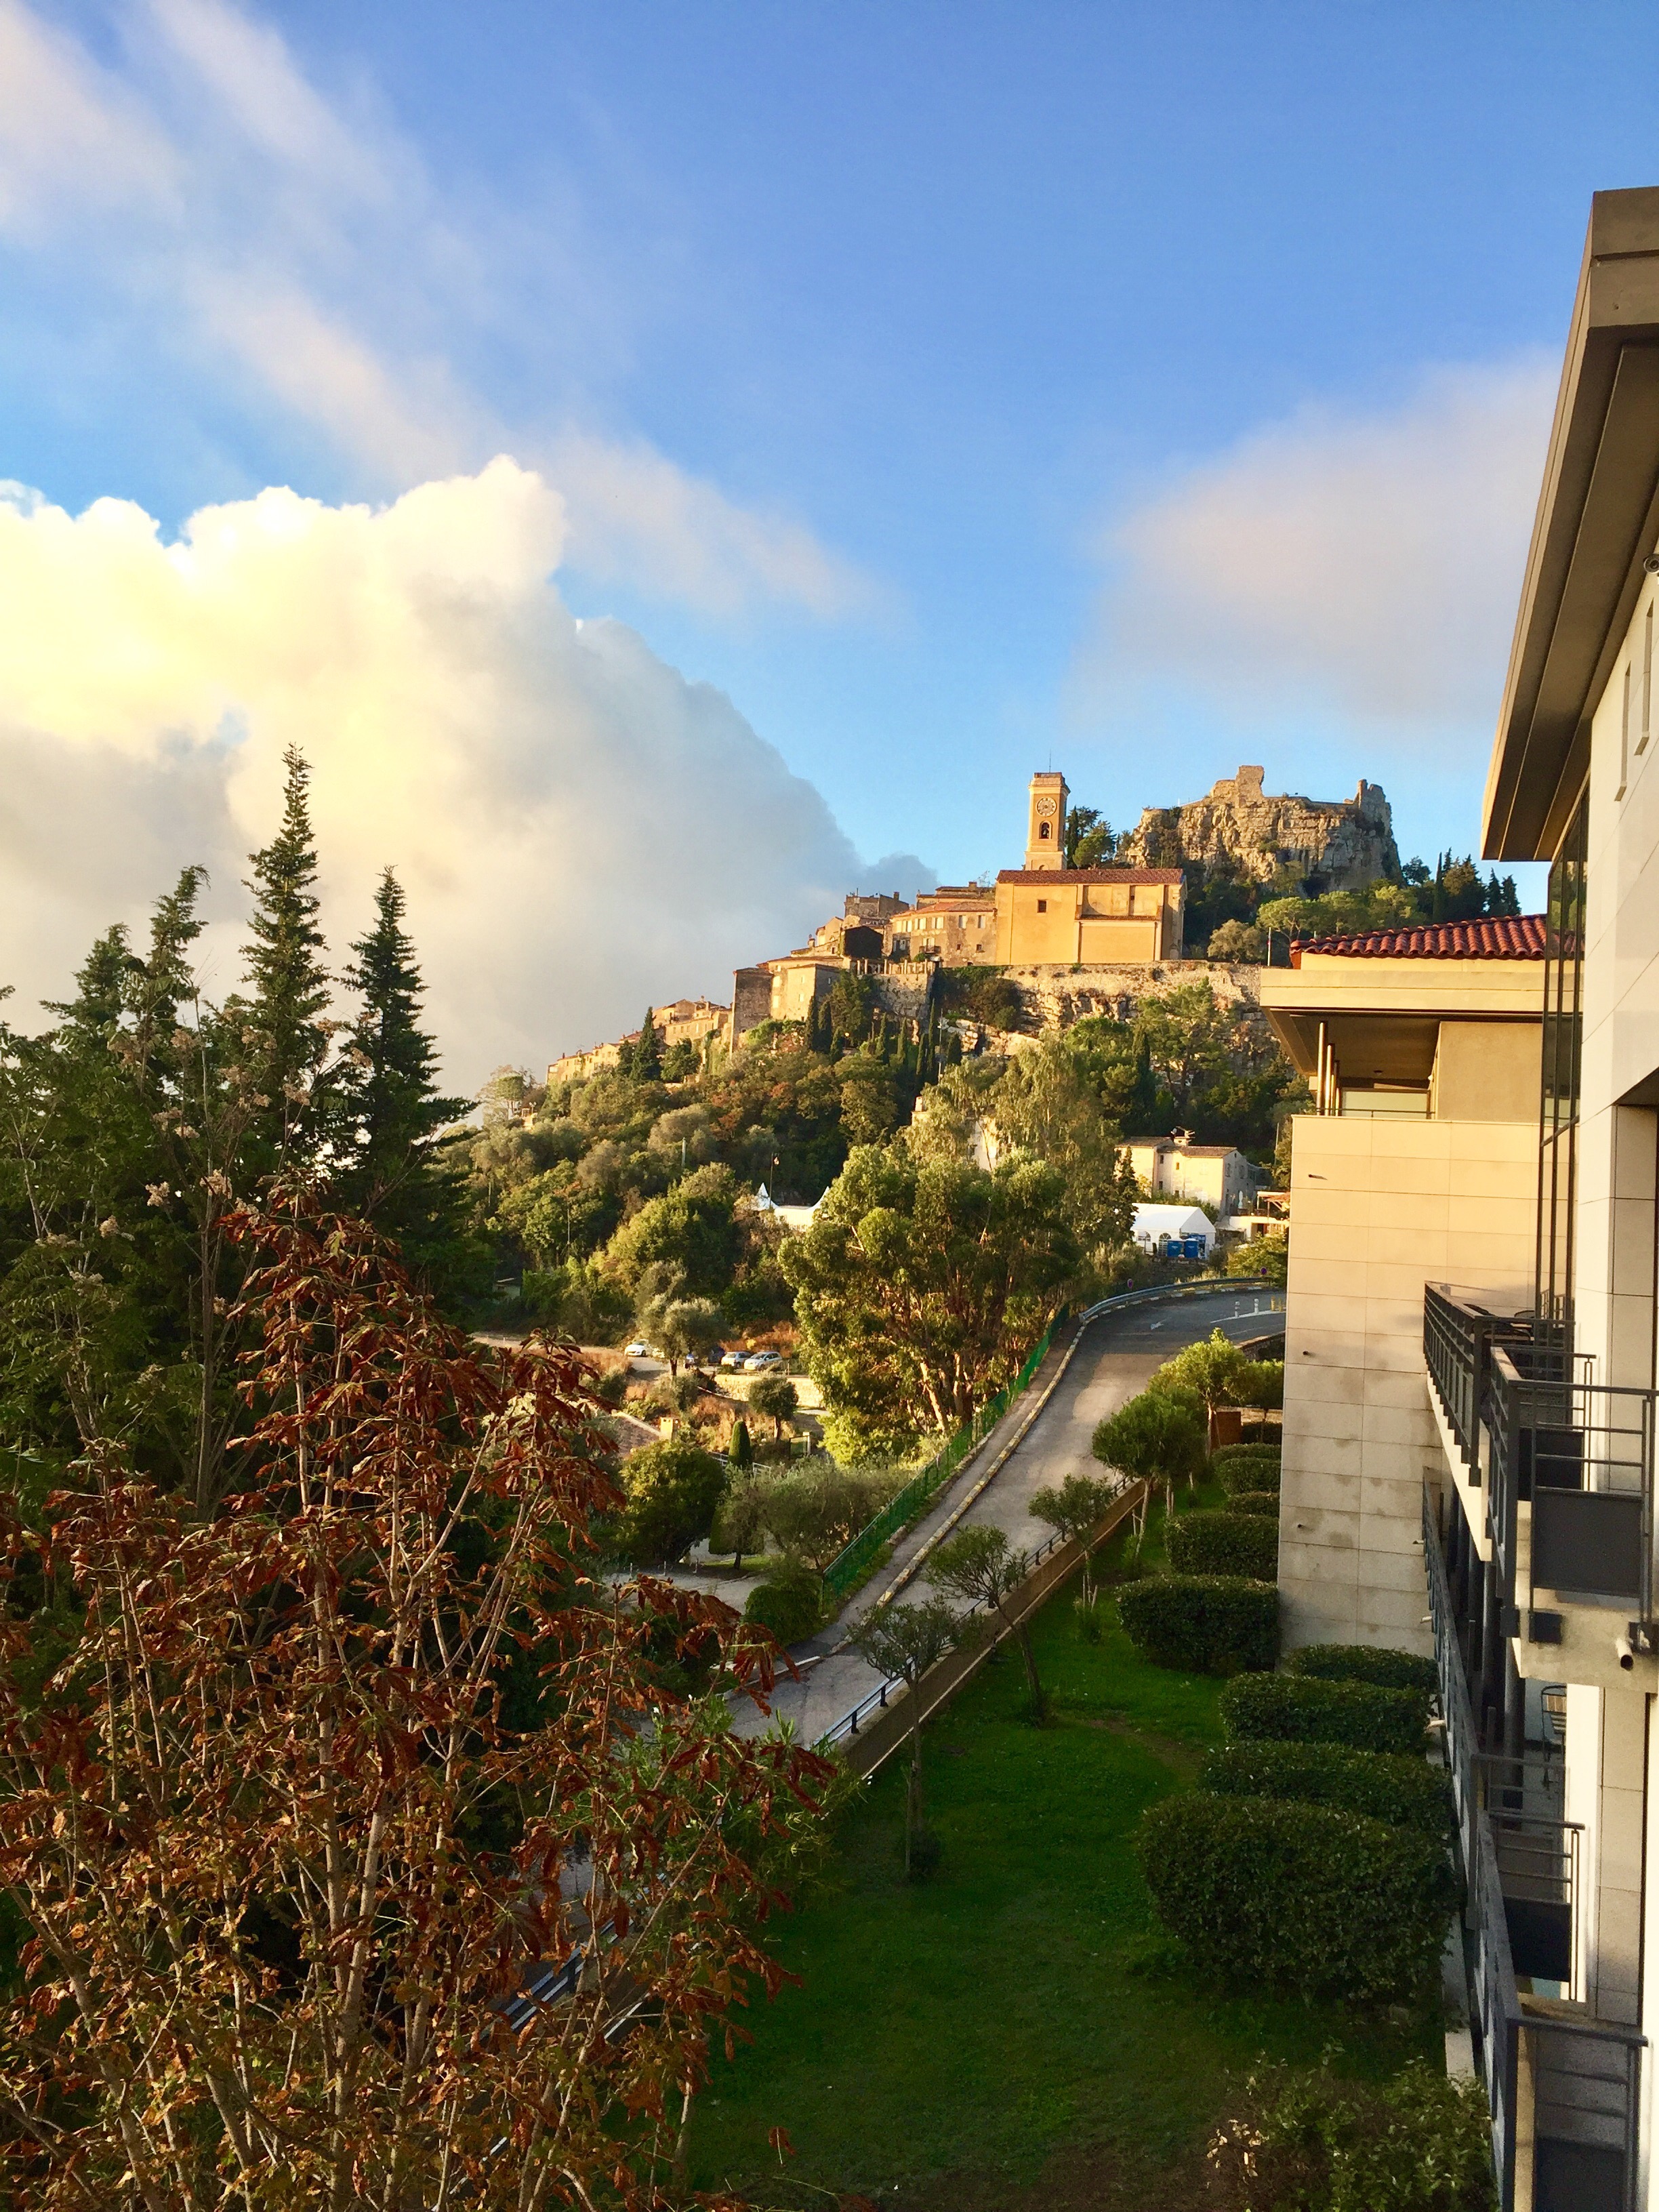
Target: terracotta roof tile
pixel 1495 937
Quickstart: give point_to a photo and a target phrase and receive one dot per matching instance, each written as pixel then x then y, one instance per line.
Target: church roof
pixel 1089 875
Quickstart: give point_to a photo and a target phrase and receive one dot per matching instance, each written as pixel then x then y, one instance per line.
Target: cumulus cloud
pixel 201 184
pixel 1368 564
pixel 579 828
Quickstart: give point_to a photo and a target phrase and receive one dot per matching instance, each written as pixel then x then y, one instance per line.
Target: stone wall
pixel 1346 842
pixel 1054 998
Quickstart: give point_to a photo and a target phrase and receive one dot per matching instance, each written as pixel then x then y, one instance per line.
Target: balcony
pixel 1564 2085
pixel 1533 1424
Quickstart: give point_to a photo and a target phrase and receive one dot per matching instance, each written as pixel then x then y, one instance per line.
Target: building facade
pixel 957 925
pixel 1417 1163
pixel 1536 1340
pixel 1217 1175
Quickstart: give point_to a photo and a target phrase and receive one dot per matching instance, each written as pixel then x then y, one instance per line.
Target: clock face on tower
pixel 1045 806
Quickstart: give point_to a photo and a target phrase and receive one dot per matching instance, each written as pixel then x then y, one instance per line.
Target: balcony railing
pixel 1520 1870
pixel 1457 1342
pixel 1578 1454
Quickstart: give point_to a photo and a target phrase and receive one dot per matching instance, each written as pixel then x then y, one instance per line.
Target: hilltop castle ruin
pixel 1343 843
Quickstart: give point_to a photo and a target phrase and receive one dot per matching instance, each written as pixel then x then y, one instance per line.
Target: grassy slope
pixel 973 2026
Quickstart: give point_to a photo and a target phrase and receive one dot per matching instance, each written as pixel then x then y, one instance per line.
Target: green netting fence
pixel 847 1569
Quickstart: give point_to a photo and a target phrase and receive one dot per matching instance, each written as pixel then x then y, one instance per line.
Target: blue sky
pixel 956 389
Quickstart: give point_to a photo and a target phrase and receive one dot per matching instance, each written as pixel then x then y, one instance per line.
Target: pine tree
pixel 288 1041
pixel 387 1107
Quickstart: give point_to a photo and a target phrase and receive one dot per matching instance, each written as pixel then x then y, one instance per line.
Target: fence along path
pixel 1108 1355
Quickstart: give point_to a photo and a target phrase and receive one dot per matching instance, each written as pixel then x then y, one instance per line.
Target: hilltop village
pixel 1087 923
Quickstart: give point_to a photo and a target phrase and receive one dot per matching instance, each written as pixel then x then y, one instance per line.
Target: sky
pixel 667 466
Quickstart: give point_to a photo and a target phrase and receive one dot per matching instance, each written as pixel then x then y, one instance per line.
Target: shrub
pixel 1312 2143
pixel 1270 1444
pixel 1303 1898
pixel 1261 1382
pixel 1202 1623
pixel 790 1601
pixel 674 1491
pixel 1249 1475
pixel 1264 1503
pixel 1295 1708
pixel 1365 1662
pixel 1249 1456
pixel 1225 1544
pixel 1406 1793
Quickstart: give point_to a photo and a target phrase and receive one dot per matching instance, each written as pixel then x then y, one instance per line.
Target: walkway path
pixel 1117 1355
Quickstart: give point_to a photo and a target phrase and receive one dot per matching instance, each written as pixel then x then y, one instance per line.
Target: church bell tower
pixel 1045 833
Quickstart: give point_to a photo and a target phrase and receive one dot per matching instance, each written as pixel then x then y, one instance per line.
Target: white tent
pixel 1155 1226
pixel 796 1218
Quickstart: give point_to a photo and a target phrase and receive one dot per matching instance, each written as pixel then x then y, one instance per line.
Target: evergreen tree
pixel 388 1109
pixel 1141 1114
pixel 647 1052
pixel 287 1038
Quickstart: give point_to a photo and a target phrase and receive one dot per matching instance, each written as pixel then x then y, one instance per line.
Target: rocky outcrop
pixel 1053 998
pixel 1343 843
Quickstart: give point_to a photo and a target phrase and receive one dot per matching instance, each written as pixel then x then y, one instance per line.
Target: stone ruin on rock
pixel 1343 843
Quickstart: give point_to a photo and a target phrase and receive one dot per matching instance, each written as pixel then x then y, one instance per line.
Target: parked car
pixel 734 1359
pixel 758 1361
pixel 640 1351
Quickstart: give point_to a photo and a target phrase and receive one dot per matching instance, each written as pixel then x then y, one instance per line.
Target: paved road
pixel 1118 1354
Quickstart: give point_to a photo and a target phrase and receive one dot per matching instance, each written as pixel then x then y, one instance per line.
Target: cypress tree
pixel 290 984
pixel 647 1052
pixel 742 1452
pixel 1143 1094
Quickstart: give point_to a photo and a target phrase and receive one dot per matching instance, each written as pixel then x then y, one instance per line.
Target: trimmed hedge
pixel 1298 1709
pixel 1303 1898
pixel 1229 1454
pixel 1202 1623
pixel 1365 1662
pixel 1225 1544
pixel 1260 1473
pixel 790 1603
pixel 1406 1793
pixel 1263 1503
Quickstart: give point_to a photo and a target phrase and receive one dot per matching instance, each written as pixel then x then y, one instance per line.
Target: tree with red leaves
pixel 366 1859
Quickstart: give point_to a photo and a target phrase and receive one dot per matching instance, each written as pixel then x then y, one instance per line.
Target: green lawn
pixel 984 2035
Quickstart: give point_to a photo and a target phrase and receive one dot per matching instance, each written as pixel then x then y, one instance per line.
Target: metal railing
pixel 1457 1342
pixel 1586 2088
pixel 876 1700
pixel 1578 1454
pixel 1520 1868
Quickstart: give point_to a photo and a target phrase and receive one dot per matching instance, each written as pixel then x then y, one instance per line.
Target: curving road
pixel 1118 1354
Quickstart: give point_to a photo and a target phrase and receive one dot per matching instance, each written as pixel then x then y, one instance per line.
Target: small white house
pixel 1156 1228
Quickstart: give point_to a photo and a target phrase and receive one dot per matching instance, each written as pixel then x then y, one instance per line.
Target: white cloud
pixel 213 191
pixel 1365 564
pixel 637 516
pixel 71 134
pixel 579 828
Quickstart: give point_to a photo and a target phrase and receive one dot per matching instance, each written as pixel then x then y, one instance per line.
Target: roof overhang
pixel 1597 521
pixel 1384 1015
